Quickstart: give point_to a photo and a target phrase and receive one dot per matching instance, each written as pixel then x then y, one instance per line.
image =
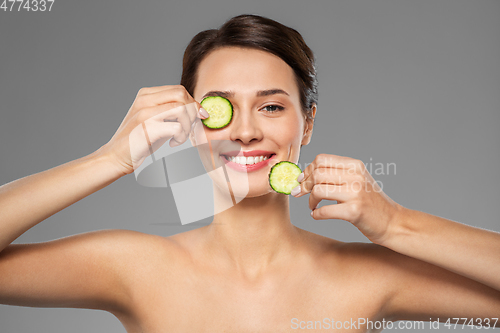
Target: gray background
pixel 416 83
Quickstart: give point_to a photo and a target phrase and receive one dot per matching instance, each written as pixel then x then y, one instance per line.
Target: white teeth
pixel 247 160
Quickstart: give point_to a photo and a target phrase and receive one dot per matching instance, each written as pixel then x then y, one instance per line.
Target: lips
pixel 248 153
pixel 228 155
pixel 248 167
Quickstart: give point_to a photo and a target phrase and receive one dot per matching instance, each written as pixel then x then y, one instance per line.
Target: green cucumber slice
pixel 283 177
pixel 220 110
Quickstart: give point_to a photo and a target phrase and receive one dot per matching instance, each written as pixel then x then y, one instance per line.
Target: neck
pixel 254 234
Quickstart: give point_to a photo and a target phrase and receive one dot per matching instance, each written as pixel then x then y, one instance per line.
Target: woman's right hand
pixel 157 115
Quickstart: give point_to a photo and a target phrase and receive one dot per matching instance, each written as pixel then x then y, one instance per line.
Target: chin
pixel 244 189
pixel 254 193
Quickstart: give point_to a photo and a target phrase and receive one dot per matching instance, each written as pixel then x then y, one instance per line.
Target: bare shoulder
pixel 153 255
pixel 146 248
pixel 141 258
pixel 87 270
pixel 368 255
pixel 126 241
pixel 130 251
pixel 377 262
pixel 365 269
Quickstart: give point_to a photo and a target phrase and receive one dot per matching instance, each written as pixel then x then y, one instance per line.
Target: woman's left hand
pixel 360 200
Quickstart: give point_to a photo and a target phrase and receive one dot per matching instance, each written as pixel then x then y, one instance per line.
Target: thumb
pixel 202 113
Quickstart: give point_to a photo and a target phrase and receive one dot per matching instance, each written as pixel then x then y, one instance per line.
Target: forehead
pixel 244 71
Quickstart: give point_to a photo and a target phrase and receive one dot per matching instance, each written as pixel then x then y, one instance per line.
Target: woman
pixel 251 270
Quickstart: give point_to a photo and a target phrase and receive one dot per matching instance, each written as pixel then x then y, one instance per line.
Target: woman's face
pixel 266 114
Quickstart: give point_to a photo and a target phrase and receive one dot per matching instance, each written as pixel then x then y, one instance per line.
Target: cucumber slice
pixel 220 110
pixel 283 177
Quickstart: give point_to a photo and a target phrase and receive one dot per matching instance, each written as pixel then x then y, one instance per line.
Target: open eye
pixel 273 108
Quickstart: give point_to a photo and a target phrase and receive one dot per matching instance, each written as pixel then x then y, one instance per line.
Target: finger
pixel 155 89
pixel 162 112
pixel 143 141
pixel 322 176
pixel 348 164
pixel 176 115
pixel 159 132
pixel 184 114
pixel 193 109
pixel 182 117
pixel 338 211
pixel 335 161
pixel 157 112
pixel 331 161
pixel 173 94
pixel 328 192
pixel 187 117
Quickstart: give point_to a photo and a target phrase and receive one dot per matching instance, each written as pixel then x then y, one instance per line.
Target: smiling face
pixel 266 111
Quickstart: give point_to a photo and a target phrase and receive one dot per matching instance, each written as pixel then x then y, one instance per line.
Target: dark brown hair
pixel 260 33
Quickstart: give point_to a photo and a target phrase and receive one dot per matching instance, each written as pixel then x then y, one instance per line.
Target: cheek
pixel 288 135
pixel 288 132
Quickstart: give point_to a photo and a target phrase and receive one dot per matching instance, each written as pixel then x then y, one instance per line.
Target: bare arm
pixel 76 271
pixel 451 270
pixel 50 191
pixel 147 125
pixel 95 269
pixel 437 267
pixel 468 251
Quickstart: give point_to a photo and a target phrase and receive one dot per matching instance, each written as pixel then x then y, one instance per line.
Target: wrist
pixel 398 229
pixel 105 158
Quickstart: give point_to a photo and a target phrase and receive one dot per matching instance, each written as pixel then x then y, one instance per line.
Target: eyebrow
pixel 260 93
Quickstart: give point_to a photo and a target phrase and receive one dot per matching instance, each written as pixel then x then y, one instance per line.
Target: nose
pixel 245 127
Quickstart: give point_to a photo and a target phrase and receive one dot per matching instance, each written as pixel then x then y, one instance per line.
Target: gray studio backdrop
pixel 414 83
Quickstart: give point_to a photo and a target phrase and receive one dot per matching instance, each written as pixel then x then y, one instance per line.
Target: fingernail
pixel 300 177
pixel 204 113
pixel 295 191
pixel 312 211
pixel 316 206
